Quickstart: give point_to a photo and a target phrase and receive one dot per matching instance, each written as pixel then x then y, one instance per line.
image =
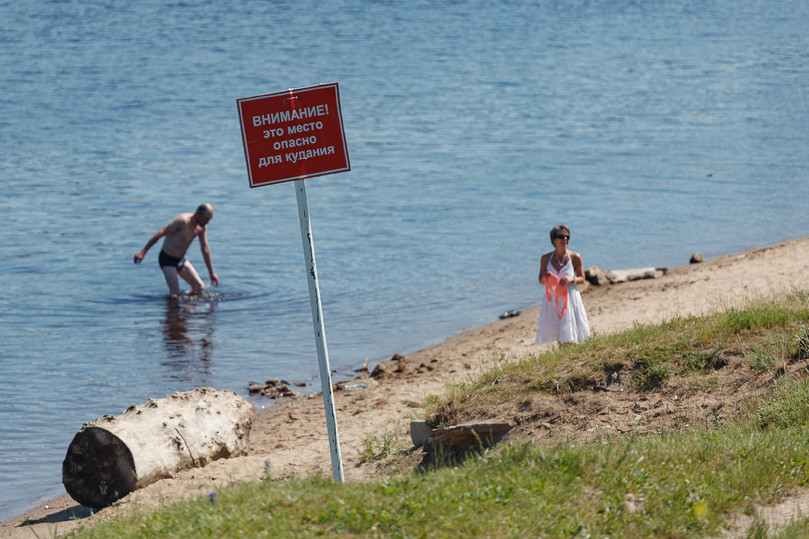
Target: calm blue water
pixel 652 129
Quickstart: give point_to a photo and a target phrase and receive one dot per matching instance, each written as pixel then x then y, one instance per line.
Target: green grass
pixel 765 336
pixel 683 483
pixel 377 448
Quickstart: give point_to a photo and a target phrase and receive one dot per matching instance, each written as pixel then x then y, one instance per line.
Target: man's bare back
pixel 177 237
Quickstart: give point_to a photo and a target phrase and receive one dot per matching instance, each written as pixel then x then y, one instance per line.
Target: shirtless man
pixel 179 234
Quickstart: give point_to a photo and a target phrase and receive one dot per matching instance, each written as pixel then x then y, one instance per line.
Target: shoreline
pixel 290 433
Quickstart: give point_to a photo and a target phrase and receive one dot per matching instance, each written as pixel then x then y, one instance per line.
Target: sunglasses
pixel 562 236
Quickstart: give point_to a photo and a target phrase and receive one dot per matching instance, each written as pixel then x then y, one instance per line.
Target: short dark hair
pixel 557 229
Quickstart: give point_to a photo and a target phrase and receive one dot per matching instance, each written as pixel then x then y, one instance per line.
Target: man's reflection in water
pixel 188 337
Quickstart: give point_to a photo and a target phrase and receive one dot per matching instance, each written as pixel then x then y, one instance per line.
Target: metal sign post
pixel 320 330
pixel 291 136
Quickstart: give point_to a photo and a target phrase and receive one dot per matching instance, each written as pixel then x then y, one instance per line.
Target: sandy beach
pixel 290 434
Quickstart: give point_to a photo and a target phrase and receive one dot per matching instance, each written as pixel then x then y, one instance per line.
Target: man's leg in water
pixel 170 273
pixel 190 275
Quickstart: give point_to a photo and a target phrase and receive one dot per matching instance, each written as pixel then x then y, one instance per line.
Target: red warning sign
pixel 293 135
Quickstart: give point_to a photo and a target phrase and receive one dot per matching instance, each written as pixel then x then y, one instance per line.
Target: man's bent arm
pixel 139 256
pixel 160 233
pixel 206 256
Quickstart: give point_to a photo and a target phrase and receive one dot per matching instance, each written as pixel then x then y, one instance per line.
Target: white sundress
pixel 573 326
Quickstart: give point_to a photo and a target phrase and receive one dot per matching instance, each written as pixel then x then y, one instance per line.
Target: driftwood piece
pixel 112 456
pixel 464 437
pixel 596 276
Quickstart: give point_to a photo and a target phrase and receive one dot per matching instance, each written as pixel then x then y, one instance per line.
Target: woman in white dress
pixel 562 317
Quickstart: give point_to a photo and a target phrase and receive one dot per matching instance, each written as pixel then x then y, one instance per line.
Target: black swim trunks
pixel 168 260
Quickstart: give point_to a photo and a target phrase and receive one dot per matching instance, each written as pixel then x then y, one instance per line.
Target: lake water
pixel 652 129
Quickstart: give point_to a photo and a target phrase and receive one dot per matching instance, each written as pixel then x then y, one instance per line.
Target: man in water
pixel 179 234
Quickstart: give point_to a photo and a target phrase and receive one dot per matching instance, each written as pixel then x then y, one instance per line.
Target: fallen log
pixel 596 276
pixel 464 437
pixel 112 456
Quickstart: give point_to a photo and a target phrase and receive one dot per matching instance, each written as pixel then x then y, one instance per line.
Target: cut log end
pixel 98 469
pixel 113 456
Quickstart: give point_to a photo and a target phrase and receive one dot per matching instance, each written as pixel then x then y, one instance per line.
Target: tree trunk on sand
pixel 112 456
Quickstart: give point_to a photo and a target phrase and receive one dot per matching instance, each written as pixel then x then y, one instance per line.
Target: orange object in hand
pixel 554 286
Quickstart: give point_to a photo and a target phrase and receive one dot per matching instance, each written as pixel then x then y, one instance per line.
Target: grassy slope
pixel 679 475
